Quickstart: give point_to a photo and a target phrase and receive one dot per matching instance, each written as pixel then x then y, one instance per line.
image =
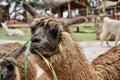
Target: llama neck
pixel 71 62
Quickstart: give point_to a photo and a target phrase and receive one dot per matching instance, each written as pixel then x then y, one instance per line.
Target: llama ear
pixel 72 21
pixel 30 18
pixel 18 52
pixel 30 9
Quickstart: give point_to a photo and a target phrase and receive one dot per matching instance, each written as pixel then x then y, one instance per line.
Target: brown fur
pixel 108 64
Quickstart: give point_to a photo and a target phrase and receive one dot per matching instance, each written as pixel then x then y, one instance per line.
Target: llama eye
pixel 54 33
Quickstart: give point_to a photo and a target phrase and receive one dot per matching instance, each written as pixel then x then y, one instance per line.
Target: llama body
pixel 110 26
pixel 11 32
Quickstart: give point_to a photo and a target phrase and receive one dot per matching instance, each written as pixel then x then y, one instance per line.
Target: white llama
pixel 110 26
pixel 11 32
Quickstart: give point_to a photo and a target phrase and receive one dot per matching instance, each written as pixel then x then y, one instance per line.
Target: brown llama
pixel 50 38
pixel 5 48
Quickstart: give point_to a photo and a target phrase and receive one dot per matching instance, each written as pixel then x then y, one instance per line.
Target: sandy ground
pixel 91 49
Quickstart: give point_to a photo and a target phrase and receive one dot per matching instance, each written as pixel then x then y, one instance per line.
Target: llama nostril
pixel 35 40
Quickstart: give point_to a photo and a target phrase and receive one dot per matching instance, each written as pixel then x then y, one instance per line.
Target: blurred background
pixel 12 12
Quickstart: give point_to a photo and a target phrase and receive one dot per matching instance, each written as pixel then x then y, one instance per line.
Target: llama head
pixel 46 31
pixel 7 70
pixel 4 23
pixel 106 19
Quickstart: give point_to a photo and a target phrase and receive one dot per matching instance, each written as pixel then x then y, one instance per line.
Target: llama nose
pixel 35 39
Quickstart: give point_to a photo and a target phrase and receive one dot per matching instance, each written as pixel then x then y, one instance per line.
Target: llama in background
pixel 110 26
pixel 11 32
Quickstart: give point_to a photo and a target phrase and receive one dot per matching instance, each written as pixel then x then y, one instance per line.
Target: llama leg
pixel 102 37
pixel 107 39
pixel 116 39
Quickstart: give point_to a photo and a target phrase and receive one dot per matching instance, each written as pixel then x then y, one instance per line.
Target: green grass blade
pixel 48 64
pixel 26 57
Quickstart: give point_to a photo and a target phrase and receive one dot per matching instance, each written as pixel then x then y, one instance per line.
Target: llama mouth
pixel 35 44
pixel 39 47
pixel 42 50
